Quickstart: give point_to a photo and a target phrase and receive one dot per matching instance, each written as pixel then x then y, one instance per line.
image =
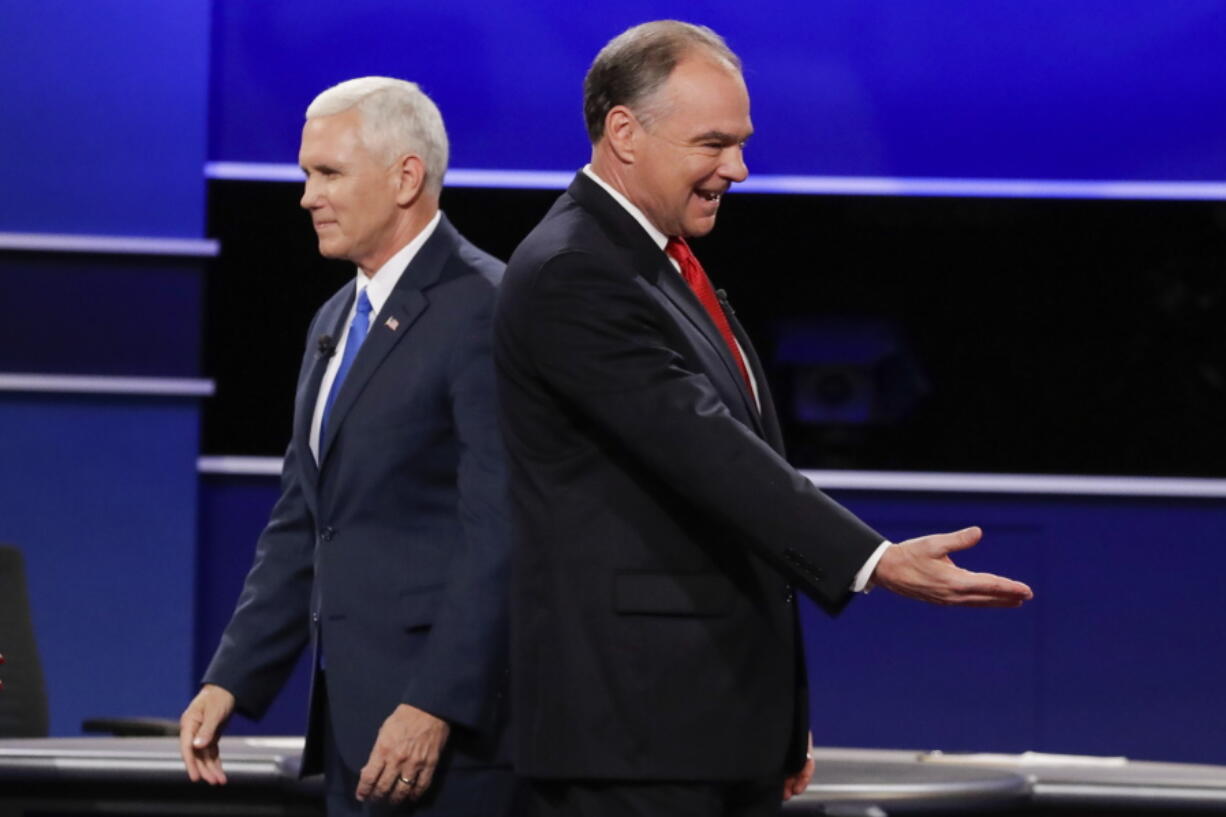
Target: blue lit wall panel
pixel 1118 654
pixel 1040 90
pixel 103 116
pixel 1135 648
pixel 100 495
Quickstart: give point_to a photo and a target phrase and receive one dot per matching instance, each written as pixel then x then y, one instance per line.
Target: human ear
pixel 410 178
pixel 622 131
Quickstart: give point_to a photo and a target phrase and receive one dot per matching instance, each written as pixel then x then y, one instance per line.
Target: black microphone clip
pixel 327 346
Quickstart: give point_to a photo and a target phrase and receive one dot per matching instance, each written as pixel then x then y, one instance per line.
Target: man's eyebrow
pixel 722 137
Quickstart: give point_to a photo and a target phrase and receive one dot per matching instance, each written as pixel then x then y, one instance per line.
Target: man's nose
pixel 310 195
pixel 734 168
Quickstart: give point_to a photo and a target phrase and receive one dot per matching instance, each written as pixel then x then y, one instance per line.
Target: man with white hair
pixel 387 549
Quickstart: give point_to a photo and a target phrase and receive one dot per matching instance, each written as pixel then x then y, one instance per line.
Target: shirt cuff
pixel 863 581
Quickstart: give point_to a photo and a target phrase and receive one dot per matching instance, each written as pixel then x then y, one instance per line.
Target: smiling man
pixel 388 549
pixel 656 662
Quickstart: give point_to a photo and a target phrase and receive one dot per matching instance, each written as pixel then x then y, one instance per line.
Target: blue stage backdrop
pixel 104 116
pixel 104 126
pixel 1100 89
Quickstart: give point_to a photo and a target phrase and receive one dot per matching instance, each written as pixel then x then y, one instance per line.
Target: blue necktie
pixel 357 333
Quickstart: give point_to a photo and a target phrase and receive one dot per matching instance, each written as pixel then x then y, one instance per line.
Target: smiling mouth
pixel 710 195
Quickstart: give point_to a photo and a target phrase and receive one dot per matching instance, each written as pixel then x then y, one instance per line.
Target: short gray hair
pixel 397 118
pixel 637 62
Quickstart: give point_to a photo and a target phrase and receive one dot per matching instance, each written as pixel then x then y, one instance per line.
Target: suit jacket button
pixel 326 534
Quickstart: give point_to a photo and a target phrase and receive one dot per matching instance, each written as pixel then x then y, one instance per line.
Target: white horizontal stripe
pixel 109 244
pixel 914 481
pixel 96 384
pixel 254 171
pixel 811 185
pixel 124 768
pixel 525 179
pixel 1027 758
pixel 898 481
pixel 250 466
pixel 1101 794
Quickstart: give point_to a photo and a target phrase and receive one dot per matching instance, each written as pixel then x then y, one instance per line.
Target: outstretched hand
pixel 921 569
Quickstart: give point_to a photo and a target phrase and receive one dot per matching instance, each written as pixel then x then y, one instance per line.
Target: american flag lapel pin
pixel 392 323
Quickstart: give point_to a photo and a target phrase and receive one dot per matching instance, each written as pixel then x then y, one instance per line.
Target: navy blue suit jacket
pixel 392 553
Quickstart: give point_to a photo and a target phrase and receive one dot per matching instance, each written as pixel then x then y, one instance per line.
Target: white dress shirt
pixel 861 582
pixel 378 287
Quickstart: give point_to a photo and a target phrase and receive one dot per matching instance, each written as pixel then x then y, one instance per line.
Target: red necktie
pixel 694 275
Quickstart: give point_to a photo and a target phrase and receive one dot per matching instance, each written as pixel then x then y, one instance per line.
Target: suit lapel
pixel 768 418
pixel 679 292
pixel 332 319
pixel 653 266
pixel 404 306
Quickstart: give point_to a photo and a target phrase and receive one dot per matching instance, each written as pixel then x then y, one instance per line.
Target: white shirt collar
pixel 661 241
pixel 656 236
pixel 380 285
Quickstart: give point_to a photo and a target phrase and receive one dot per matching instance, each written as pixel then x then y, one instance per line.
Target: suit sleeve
pixel 463 670
pixel 271 622
pixel 598 339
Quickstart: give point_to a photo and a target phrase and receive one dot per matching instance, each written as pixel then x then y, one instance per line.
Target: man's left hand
pixel 797 783
pixel 921 569
pixel 407 748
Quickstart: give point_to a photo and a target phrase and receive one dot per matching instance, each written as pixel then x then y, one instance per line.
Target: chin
pixel 329 250
pixel 698 229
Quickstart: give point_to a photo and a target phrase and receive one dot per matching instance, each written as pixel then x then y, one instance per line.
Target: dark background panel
pixel 267 283
pixel 78 313
pixel 1055 335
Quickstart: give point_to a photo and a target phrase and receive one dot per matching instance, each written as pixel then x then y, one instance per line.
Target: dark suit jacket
pixel 658 527
pixel 393 553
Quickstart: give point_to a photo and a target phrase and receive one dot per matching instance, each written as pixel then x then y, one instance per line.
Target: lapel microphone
pixel 723 299
pixel 327 346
